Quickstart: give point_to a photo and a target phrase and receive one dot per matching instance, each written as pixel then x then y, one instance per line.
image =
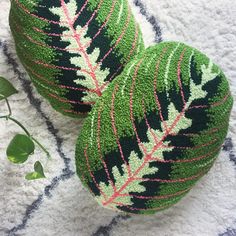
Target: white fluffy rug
pixel 59 205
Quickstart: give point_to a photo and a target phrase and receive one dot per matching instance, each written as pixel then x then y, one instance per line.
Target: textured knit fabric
pixel 60 205
pixel 157 129
pixel 72 49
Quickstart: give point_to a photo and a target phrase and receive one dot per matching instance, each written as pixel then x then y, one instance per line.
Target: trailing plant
pixel 22 145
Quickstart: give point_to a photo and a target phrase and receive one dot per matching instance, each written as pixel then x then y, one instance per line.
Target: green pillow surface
pixel 156 130
pixel 73 49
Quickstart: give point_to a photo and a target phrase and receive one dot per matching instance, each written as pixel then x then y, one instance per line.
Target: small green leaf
pixel 38 172
pixel 6 88
pixel 20 148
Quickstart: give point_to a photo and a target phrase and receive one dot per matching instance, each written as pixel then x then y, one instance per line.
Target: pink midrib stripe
pixel 188 148
pixel 133 46
pixel 166 196
pixel 103 86
pixel 83 52
pixel 62 68
pixel 119 68
pixel 148 157
pixel 136 133
pixel 130 179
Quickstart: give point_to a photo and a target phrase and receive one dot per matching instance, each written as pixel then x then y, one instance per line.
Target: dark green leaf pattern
pixel 144 150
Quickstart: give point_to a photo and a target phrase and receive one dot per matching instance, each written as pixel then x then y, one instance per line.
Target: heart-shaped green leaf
pixel 20 148
pixel 38 172
pixel 6 88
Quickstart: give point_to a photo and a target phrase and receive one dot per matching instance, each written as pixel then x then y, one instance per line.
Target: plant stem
pixel 19 124
pixel 8 117
pixel 28 134
pixel 8 106
pixel 41 146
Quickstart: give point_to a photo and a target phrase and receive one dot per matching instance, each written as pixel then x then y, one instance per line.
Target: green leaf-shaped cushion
pixel 156 130
pixel 72 49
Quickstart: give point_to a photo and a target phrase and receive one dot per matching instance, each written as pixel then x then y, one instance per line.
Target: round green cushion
pixel 73 49
pixel 156 130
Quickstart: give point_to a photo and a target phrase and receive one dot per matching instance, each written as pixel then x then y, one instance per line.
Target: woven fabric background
pixel 59 205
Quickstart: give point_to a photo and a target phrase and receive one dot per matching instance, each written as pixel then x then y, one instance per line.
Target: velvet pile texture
pixel 60 205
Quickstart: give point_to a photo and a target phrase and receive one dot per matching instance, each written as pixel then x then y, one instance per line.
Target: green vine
pixel 22 145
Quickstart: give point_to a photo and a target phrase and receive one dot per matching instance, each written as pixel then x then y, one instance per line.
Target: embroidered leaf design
pixel 123 197
pixel 153 150
pixel 72 49
pixel 147 142
pixel 93 77
pixel 197 91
